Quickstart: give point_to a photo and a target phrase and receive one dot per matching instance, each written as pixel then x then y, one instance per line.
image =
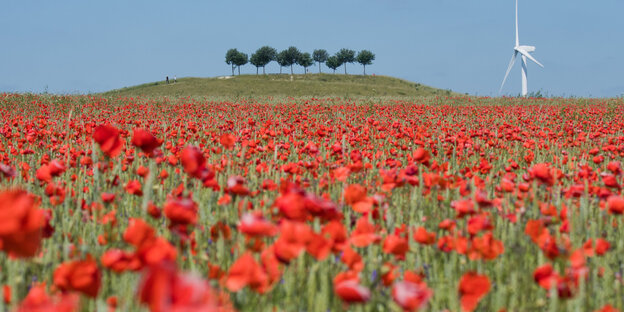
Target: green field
pixel 320 85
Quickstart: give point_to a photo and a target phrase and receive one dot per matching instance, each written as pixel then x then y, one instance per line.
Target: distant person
pixel 174 79
pixel 167 79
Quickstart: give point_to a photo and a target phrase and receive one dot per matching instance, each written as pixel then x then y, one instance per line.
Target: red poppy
pixel 144 140
pixel 162 288
pixel 396 245
pixel 472 287
pixel 615 205
pixel 350 291
pixel 247 272
pixel 108 138
pixel 37 300
pixel 423 237
pixel 21 223
pixel 411 296
pixel 120 261
pixel 194 163
pixel 352 259
pixel 545 276
pixel 134 187
pixel 253 224
pixel 364 233
pixel 543 173
pixel 227 140
pixel 181 211
pixel 82 276
pixel 602 246
pixel 138 233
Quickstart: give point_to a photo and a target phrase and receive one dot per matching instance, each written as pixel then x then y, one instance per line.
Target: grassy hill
pixel 283 85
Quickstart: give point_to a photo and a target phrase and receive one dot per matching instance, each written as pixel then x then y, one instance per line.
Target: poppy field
pixel 434 204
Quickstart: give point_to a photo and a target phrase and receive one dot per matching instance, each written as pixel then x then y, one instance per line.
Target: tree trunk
pixel 232 69
pixel 238 70
pixel 280 69
pixel 291 69
pixel 263 72
pixel 364 69
pixel 345 65
pixel 319 67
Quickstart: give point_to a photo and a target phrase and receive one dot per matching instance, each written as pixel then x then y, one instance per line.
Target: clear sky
pixel 90 46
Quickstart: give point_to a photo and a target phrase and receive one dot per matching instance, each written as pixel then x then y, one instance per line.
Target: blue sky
pixel 465 46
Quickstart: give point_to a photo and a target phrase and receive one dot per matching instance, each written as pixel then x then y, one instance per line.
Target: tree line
pixel 292 56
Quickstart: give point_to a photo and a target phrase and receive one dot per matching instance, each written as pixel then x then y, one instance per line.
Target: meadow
pixel 311 204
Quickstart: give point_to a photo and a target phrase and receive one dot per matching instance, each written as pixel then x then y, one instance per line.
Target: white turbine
pixel 525 51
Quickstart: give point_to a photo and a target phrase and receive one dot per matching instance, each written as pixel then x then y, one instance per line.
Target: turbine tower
pixel 525 51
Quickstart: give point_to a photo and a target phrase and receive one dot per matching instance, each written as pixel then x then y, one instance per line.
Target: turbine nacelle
pixel 525 48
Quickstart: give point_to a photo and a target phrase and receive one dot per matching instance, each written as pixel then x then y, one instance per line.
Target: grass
pixel 316 85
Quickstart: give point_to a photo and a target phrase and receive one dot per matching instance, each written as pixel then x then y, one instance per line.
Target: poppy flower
pixel 21 223
pixel 139 233
pixel 615 205
pixel 134 187
pixel 545 276
pixel 162 289
pixel 319 247
pixel 364 233
pixel 109 140
pixel 144 140
pixel 156 251
pixel 336 231
pixel 236 185
pixel 421 236
pixel 396 245
pixel 181 211
pixel 352 259
pixel 38 300
pixel 81 275
pixel 472 287
pixel 602 246
pixel 194 163
pixel 411 296
pixel 351 291
pixel 253 224
pixel 227 140
pixel 247 272
pixel 543 173
pixel 120 261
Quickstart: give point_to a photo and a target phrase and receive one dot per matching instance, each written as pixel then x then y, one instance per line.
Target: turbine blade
pixel 511 64
pixel 525 53
pixel 517 37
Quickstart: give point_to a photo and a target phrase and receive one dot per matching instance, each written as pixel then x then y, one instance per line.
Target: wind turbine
pixel 525 51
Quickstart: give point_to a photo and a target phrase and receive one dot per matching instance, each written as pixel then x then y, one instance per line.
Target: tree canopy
pixel 305 60
pixel 320 56
pixel 365 57
pixel 346 56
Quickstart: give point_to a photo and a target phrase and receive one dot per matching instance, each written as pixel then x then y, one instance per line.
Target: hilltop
pixel 282 85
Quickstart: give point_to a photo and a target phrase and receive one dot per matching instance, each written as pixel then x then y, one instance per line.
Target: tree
pixel 230 56
pixel 365 57
pixel 346 56
pixel 240 60
pixel 290 57
pixel 320 56
pixel 305 60
pixel 281 60
pixel 265 55
pixel 255 61
pixel 333 62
